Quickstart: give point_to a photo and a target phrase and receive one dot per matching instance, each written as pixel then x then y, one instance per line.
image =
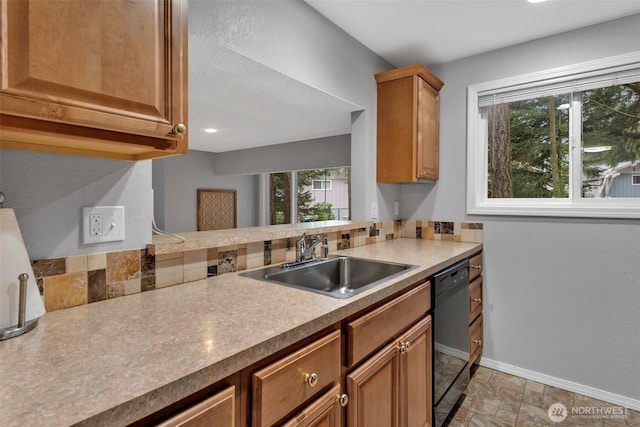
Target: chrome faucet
pixel 306 254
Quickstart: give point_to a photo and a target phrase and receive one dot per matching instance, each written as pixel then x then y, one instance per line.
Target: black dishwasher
pixel 450 296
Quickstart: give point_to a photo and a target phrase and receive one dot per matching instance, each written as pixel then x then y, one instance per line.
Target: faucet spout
pixel 310 252
pixel 306 254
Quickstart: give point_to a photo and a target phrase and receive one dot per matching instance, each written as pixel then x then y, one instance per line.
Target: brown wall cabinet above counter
pixel 408 129
pixel 102 78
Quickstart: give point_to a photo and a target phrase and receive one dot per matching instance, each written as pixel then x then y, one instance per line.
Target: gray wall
pixel 175 184
pixel 561 295
pixel 48 191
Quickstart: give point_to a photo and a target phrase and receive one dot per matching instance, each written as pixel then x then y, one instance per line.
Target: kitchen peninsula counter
pixel 116 361
pixel 194 240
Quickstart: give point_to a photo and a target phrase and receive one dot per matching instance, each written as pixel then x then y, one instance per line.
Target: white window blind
pixel 578 82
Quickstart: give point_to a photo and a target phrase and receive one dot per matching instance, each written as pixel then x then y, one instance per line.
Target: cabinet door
pixel 324 412
pixel 416 376
pixel 218 410
pixel 80 70
pixel 427 143
pixel 373 391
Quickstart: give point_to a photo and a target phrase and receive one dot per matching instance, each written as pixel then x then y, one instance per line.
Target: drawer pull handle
pixel 404 347
pixel 311 379
pixel 478 300
pixel 477 267
pixel 343 399
pixel 479 342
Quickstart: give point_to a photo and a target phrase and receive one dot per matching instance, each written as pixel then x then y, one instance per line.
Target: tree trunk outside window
pixel 500 152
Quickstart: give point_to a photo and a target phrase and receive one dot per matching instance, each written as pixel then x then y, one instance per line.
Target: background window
pixel 318 195
pixel 321 184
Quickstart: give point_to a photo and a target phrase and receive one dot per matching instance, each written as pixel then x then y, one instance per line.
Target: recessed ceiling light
pixel 536 1
pixel 210 130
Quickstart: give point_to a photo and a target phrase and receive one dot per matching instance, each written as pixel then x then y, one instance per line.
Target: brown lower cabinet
pixel 393 387
pixel 371 369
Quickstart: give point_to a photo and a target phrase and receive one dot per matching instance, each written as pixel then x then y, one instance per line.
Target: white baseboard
pixel 450 351
pixel 584 390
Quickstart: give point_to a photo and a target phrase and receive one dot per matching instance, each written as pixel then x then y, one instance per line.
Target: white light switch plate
pixel 102 224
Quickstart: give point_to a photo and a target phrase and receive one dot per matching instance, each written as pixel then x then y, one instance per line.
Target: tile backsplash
pixel 84 279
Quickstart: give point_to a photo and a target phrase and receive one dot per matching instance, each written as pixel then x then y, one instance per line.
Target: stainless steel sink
pixel 339 277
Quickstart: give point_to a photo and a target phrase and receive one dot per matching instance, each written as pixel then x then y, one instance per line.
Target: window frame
pixel 633 176
pixel 478 202
pixel 326 186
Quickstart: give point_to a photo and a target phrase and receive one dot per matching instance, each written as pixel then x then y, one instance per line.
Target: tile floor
pixel 496 399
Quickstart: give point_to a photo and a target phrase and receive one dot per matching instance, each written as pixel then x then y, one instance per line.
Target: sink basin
pixel 339 277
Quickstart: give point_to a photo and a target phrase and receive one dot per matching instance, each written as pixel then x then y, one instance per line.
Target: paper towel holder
pixel 22 327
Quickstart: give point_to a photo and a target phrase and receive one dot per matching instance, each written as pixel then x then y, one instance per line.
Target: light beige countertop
pixel 165 244
pixel 116 361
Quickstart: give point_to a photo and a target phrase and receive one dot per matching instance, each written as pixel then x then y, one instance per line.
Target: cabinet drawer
pixel 475 299
pixel 475 340
pixel 218 410
pixel 372 330
pixel 284 385
pixel 475 266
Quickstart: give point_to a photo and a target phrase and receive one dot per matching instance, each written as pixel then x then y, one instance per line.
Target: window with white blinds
pixel 561 142
pixel 577 82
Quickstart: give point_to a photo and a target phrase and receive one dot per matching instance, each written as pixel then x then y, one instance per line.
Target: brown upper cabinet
pixel 98 78
pixel 408 130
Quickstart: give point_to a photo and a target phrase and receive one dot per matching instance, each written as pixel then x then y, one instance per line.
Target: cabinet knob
pixel 403 347
pixel 478 300
pixel 311 379
pixel 479 342
pixel 343 399
pixel 180 129
pixel 477 267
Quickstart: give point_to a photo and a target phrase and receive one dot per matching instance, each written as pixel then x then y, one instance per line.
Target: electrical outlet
pixel 374 211
pixel 102 224
pixel 95 224
pixel 396 208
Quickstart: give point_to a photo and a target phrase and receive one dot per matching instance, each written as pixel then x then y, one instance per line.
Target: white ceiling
pixel 436 31
pixel 224 92
pixel 252 105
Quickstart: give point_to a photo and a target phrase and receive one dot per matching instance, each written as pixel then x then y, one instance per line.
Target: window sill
pixel 604 208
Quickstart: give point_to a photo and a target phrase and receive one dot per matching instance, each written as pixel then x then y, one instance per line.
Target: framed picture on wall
pixel 216 209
